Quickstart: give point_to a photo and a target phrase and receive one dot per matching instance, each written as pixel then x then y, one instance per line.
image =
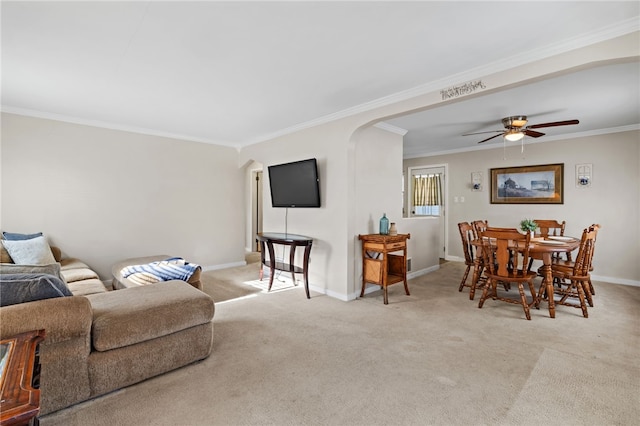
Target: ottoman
pixel 119 282
pixel 141 332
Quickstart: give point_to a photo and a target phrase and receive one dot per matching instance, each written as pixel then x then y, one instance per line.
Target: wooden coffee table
pixel 20 379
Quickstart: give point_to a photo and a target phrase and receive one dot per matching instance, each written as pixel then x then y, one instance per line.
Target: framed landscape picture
pixel 528 185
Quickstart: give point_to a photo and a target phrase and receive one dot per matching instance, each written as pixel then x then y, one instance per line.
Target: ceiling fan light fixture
pixel 515 121
pixel 513 135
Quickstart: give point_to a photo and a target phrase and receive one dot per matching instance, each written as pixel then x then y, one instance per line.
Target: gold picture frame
pixel 542 184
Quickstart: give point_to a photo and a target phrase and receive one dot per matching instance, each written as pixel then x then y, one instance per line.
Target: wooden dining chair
pixel 551 228
pixel 548 227
pixel 506 256
pixel 467 235
pixel 478 227
pixel 572 283
pixel 568 264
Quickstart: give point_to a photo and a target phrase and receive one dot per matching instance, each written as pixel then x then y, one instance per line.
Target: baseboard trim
pixel 375 287
pixel 614 280
pixel 224 266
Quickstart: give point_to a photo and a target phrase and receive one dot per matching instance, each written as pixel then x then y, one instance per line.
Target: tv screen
pixel 295 184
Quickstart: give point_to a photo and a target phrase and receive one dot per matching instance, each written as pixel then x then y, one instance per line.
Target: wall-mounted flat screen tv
pixel 295 184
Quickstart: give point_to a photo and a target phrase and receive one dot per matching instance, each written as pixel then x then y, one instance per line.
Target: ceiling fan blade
pixel 533 133
pixel 480 133
pixel 488 139
pixel 553 124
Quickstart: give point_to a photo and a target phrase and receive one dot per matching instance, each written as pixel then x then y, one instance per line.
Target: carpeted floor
pixel 432 358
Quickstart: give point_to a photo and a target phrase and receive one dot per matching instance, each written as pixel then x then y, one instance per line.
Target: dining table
pixel 540 248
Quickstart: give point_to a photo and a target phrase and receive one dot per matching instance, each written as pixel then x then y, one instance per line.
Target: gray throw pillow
pixel 50 269
pixel 14 236
pixel 22 288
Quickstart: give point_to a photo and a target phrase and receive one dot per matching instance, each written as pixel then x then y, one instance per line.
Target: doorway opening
pixel 427 198
pixel 256 210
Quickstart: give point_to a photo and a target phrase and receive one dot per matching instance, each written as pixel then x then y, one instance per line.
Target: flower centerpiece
pixel 528 225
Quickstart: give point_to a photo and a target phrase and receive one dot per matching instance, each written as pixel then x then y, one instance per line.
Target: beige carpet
pixel 577 375
pixel 432 358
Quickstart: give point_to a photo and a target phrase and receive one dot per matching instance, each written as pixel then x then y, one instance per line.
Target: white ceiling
pixel 236 73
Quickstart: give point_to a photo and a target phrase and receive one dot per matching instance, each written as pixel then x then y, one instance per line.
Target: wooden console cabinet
pixel 20 379
pixel 379 263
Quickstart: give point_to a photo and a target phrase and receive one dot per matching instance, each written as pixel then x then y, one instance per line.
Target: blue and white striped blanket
pixel 174 268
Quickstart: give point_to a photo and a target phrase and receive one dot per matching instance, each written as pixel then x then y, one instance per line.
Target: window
pixel 427 210
pixel 426 194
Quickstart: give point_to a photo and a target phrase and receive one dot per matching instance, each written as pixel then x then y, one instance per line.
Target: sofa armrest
pixel 62 318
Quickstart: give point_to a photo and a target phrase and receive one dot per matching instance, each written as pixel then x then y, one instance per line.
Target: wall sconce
pixel 583 175
pixel 476 181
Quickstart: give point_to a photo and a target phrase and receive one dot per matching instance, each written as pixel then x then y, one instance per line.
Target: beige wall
pixel 327 225
pixel 359 180
pixel 106 195
pixel 112 194
pixel 378 182
pixel 613 199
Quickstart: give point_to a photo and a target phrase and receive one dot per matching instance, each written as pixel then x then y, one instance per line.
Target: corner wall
pixel 105 195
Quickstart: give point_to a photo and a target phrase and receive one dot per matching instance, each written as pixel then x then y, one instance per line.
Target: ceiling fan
pixel 515 128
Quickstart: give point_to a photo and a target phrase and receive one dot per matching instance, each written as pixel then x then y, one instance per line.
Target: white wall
pixel 106 195
pixel 327 225
pixel 613 199
pixel 378 176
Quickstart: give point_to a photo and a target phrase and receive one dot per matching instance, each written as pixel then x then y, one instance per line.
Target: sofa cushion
pixel 35 251
pixel 72 275
pixel 16 236
pixel 133 315
pixel 86 287
pixel 72 263
pixel 51 269
pixel 21 288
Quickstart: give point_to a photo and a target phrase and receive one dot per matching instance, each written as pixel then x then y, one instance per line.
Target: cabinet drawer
pixel 380 247
pixel 396 246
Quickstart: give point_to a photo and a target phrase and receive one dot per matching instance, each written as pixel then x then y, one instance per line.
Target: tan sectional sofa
pixel 100 340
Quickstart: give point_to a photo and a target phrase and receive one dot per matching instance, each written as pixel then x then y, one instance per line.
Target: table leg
pixel 305 269
pixel 476 276
pixel 548 278
pixel 261 260
pixel 406 286
pixel 386 299
pixel 292 256
pixel 272 268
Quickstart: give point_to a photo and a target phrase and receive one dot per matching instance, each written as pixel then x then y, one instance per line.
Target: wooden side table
pixel 293 241
pixel 379 265
pixel 20 379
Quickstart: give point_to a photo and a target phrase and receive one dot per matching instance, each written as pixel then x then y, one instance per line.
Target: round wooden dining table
pixel 540 249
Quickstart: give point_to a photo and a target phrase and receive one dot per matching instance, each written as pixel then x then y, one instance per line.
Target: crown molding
pixel 107 125
pixel 391 128
pixel 603 34
pixel 606 33
pixel 547 139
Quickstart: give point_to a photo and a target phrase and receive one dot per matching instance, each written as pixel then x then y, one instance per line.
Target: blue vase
pixel 384 225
